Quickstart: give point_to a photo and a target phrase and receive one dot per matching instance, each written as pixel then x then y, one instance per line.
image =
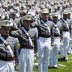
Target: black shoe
pixel 62 59
pixel 53 67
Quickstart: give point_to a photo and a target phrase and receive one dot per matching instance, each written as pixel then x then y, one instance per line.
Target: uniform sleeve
pixel 61 34
pixel 33 32
pixel 16 48
pixel 17 44
pixel 52 36
pixel 36 34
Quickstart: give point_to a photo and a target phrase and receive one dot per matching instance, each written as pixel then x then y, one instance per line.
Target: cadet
pixel 55 42
pixel 27 52
pixel 66 36
pixel 69 20
pixel 8 47
pixel 44 41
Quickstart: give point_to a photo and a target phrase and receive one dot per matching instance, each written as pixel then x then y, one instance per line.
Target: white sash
pixel 8 46
pixel 28 36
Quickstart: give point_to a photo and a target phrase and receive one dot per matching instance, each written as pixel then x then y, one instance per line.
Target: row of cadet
pixel 26 29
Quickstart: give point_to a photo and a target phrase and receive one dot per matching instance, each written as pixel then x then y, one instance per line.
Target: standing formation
pixel 28 29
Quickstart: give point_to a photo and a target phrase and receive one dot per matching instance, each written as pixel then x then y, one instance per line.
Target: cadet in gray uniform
pixel 44 41
pixel 69 20
pixel 55 42
pixel 66 36
pixel 8 47
pixel 26 57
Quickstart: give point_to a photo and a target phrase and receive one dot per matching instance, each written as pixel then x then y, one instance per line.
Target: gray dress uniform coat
pixel 7 61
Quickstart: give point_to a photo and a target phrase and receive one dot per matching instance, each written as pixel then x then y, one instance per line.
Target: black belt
pixel 56 35
pixel 7 58
pixel 66 30
pixel 45 36
pixel 27 47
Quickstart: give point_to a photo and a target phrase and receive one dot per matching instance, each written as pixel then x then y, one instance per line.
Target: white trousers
pixel 7 66
pixel 26 60
pixel 44 47
pixel 65 47
pixel 54 53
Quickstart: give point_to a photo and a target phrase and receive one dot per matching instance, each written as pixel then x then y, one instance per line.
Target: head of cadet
pixel 12 14
pixel 69 14
pixel 5 26
pixel 44 14
pixel 26 21
pixel 65 14
pixel 55 17
pixel 23 12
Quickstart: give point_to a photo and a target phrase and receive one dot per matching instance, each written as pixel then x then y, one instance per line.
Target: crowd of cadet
pixel 30 29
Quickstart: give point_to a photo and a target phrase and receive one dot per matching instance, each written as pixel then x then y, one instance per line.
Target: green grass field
pixel 62 66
